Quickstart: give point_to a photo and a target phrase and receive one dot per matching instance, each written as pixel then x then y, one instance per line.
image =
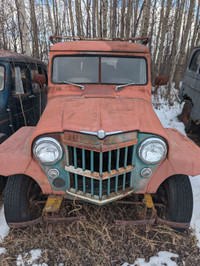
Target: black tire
pixel 17 205
pixel 3 181
pixel 176 194
pixel 186 116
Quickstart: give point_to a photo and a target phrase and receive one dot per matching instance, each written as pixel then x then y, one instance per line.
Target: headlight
pixel 47 150
pixel 152 150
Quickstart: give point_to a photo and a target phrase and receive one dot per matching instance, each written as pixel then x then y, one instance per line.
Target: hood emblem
pixel 101 134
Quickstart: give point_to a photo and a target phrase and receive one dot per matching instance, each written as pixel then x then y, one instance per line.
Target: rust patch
pixel 90 142
pixel 96 175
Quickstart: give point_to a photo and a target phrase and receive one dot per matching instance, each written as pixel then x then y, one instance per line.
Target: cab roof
pixel 99 46
pixel 8 56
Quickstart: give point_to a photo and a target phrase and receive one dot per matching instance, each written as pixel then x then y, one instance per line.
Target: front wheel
pixel 176 195
pixel 21 195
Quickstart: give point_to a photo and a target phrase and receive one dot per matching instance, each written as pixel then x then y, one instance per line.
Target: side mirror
pixel 161 80
pixel 39 79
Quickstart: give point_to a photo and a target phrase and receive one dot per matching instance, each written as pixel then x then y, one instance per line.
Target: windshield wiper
pixel 71 83
pixel 117 88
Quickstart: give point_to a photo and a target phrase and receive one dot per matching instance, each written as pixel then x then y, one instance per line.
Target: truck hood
pixel 92 114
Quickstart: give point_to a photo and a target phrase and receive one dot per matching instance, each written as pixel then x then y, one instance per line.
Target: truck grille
pixel 99 174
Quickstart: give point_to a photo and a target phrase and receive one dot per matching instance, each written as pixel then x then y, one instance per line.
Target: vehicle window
pixel 114 70
pixel 121 70
pixel 195 62
pixel 2 78
pixel 34 70
pixel 20 82
pixel 79 69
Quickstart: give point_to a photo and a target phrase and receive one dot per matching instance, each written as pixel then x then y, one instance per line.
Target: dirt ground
pixel 99 241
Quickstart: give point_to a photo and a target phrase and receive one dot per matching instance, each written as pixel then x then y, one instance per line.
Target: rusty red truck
pixel 99 139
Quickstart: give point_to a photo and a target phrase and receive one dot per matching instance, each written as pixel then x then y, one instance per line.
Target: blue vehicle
pixel 190 92
pixel 22 101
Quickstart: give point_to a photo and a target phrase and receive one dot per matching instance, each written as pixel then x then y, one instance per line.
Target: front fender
pixel 15 158
pixel 183 158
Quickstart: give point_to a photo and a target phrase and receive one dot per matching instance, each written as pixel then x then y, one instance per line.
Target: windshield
pixel 99 69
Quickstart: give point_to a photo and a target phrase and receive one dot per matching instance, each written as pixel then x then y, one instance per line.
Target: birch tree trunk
pixel 34 30
pixel 50 17
pixel 24 32
pixel 182 54
pixel 71 17
pixel 122 18
pixel 145 18
pixel 78 26
pixel 105 13
pixel 163 34
pixel 94 18
pixel 114 18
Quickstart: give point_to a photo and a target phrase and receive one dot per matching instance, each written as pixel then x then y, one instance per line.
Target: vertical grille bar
pixel 92 187
pixel 84 186
pixel 116 184
pixel 117 159
pixel 67 160
pixel 83 159
pixel 124 182
pixel 125 157
pixel 92 161
pixel 117 168
pixel 132 163
pixel 83 167
pixel 108 188
pixel 109 161
pixel 100 189
pixel 100 163
pixel 92 171
pixel 75 166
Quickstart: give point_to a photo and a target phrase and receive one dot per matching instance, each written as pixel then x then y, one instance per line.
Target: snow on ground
pixel 29 258
pixel 163 258
pixel 168 117
pixel 4 228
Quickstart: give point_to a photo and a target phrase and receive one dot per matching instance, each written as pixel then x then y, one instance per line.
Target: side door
pixel 193 80
pixel 5 128
pixel 39 95
pixel 20 102
pixel 196 111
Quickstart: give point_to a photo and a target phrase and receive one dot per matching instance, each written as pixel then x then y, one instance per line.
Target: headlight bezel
pixel 148 141
pixel 50 140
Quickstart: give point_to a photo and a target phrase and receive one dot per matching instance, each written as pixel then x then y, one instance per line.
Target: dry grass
pixel 98 241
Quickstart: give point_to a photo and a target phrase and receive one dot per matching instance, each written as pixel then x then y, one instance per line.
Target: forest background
pixel 173 27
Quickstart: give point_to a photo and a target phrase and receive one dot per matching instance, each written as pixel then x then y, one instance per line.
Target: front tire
pixel 176 194
pixel 20 193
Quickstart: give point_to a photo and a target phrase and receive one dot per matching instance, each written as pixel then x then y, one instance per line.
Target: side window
pixel 195 62
pixel 2 78
pixel 20 83
pixel 34 70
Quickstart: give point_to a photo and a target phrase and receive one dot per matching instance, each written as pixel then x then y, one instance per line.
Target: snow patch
pixel 2 250
pixel 28 258
pixel 4 228
pixel 163 259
